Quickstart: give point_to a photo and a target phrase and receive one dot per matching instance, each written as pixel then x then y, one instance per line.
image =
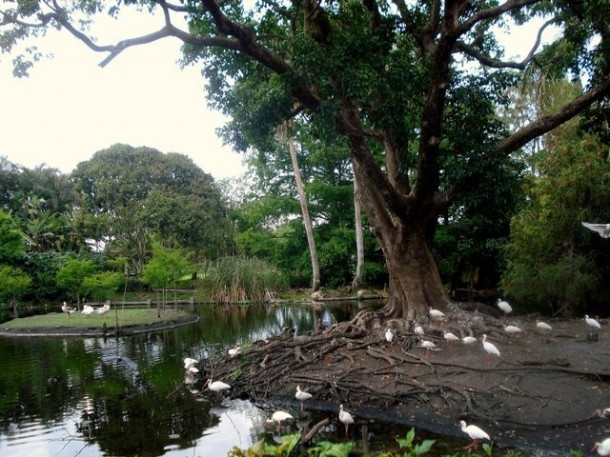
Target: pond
pixel 128 396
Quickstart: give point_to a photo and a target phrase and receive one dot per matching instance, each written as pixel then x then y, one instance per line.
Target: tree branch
pixel 490 62
pixel 546 123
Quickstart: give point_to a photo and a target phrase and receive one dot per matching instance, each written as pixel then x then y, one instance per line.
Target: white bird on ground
pixel 543 326
pixel 389 335
pixel 88 310
pixel 217 386
pixel 234 352
pixel 418 330
pixel 504 306
pixel 345 418
pixel 426 345
pixel 103 309
pixel 279 417
pixel 475 433
pixel 68 309
pixel 602 448
pixel 490 348
pixel 190 363
pixel 602 229
pixel 302 396
pixel 436 314
pixel 450 337
pixel 469 340
pixel 512 329
pixel 592 322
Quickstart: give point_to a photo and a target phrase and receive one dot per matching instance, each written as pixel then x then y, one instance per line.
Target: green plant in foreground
pixel 411 450
pixel 328 449
pixel 260 449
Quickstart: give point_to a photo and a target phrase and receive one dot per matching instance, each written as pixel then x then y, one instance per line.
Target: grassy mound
pixel 138 317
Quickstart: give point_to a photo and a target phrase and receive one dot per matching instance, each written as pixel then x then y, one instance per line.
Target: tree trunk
pixel 400 228
pixel 313 252
pixel 359 240
pixel 415 283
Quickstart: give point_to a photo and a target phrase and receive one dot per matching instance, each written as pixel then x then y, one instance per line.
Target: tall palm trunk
pixel 313 252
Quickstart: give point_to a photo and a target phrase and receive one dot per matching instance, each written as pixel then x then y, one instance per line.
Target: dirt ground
pixel 544 392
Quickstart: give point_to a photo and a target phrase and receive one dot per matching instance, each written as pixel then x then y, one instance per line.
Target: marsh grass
pixel 126 317
pixel 236 279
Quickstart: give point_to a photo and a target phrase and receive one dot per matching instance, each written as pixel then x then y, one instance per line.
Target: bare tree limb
pixel 547 123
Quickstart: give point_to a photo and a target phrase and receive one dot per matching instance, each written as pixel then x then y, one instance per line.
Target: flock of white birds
pixel 475 433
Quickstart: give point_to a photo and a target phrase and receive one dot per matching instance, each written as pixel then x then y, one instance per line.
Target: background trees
pixel 408 93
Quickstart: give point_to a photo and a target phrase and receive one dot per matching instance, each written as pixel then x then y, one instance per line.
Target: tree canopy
pixel 411 87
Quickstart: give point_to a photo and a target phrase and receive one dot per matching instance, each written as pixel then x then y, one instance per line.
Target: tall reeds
pixel 238 279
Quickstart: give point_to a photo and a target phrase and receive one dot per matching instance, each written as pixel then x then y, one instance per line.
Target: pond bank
pixel 38 326
pixel 543 393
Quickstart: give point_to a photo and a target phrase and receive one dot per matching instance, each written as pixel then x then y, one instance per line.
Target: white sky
pixel 69 108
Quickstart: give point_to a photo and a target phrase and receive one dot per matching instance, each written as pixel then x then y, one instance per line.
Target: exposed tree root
pixel 351 363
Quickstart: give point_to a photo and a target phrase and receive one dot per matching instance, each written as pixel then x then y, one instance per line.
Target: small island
pixel 129 321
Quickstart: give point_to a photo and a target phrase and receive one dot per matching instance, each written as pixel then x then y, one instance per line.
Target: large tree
pixel 388 75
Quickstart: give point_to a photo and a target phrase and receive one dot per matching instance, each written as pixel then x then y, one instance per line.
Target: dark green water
pixel 127 396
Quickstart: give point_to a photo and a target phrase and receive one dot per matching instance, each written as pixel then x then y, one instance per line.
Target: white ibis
pixel 345 418
pixel 88 310
pixel 490 348
pixel 474 432
pixel 217 386
pixel 602 448
pixel 103 309
pixel 234 352
pixel 389 335
pixel 512 330
pixel 543 326
pixel 450 337
pixel 302 396
pixel 279 417
pixel 592 322
pixel 190 363
pixel 418 330
pixel 602 229
pixel 426 345
pixel 504 306
pixel 68 309
pixel 436 313
pixel 469 340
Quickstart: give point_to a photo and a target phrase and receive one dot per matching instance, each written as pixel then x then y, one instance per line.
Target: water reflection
pixel 128 396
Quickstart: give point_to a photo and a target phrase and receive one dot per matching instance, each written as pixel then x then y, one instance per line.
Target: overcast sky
pixel 69 108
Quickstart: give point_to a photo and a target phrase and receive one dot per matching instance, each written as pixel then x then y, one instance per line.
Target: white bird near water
pixel 450 337
pixel 543 326
pixel 490 348
pixel 190 362
pixel 68 309
pixel 88 310
pixel 426 345
pixel 389 335
pixel 345 418
pixel 302 396
pixel 217 386
pixel 592 322
pixel 602 448
pixel 504 306
pixel 475 433
pixel 103 309
pixel 234 352
pixel 512 329
pixel 436 313
pixel 602 229
pixel 469 340
pixel 279 417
